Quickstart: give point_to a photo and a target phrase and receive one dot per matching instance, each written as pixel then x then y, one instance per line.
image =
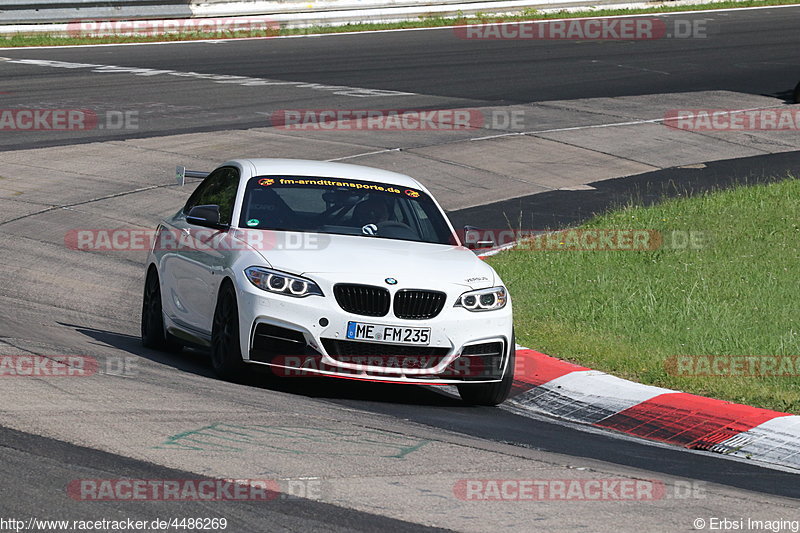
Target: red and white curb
pixel 578 394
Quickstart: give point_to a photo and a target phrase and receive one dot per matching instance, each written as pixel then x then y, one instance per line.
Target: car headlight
pixel 281 283
pixel 483 299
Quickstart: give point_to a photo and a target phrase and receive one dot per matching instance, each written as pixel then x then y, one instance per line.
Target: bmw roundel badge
pixel 391 281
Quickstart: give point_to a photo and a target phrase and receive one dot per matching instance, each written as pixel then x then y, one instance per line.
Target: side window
pixel 219 188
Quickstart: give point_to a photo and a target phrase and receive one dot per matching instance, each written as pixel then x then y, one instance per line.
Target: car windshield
pixel 343 206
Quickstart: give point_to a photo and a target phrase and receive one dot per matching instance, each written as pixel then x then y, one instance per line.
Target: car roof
pixel 327 169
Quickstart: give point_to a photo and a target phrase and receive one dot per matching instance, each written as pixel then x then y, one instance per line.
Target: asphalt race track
pixel 383 457
pixel 749 52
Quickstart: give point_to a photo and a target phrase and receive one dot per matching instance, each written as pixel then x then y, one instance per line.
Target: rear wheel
pixel 153 333
pixel 226 352
pixel 491 393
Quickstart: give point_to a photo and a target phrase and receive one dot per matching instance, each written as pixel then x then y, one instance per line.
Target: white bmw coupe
pixel 316 268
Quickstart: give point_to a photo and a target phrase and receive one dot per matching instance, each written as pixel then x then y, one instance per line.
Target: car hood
pixel 350 257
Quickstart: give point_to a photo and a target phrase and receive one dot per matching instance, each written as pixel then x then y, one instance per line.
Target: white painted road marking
pixel 246 81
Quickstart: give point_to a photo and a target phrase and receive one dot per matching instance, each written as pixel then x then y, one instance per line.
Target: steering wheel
pixel 387 224
pixel 396 229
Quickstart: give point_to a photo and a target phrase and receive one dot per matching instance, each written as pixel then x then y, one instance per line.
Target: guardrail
pixel 42 11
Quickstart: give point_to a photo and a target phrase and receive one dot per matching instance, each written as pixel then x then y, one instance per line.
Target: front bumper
pixel 299 337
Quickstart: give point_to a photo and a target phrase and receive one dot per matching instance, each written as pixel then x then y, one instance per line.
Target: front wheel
pixel 491 393
pixel 226 352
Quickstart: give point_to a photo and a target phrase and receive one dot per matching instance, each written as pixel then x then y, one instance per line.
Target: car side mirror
pixel 206 216
pixel 476 238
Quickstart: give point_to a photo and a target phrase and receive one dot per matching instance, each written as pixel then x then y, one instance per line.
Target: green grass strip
pixel 629 312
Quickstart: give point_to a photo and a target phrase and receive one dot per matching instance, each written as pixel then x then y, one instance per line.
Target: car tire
pixel 226 352
pixel 153 333
pixel 797 94
pixel 491 394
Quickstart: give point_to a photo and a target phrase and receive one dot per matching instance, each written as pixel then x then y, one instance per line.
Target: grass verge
pixel 22 40
pixel 628 312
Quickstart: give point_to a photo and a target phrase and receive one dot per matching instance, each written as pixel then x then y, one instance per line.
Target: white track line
pixel 246 81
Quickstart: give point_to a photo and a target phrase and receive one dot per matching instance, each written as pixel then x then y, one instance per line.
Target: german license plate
pixel 361 331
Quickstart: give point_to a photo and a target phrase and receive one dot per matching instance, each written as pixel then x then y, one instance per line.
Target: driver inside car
pixel 370 211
